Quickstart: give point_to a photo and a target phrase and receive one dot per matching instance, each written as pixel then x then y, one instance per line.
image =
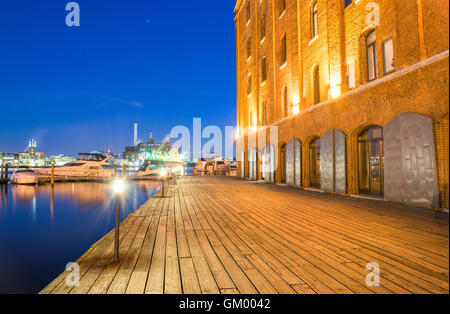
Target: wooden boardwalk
pixel 223 235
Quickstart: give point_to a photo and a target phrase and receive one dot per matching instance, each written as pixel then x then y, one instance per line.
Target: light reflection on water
pixel 44 228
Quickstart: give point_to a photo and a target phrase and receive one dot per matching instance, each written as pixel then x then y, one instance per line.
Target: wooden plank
pixel 258 238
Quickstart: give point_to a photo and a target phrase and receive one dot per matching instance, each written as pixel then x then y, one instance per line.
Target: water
pixel 42 229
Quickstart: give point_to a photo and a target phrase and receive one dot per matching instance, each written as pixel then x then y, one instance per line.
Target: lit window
pixel 314 20
pixel 283 48
pixel 263 69
pixel 388 55
pixel 351 82
pixel 371 46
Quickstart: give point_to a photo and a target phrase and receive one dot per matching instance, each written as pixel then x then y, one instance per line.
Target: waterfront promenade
pixel 225 235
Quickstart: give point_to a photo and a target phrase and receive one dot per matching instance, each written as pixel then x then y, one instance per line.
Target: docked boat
pixel 24 176
pixel 95 165
pixel 154 168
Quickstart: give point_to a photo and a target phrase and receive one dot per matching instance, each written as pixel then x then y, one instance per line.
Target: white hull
pixel 25 178
pixel 80 168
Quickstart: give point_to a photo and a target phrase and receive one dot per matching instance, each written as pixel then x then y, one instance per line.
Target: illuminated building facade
pixel 355 92
pixel 32 158
pixel 135 155
pixel 9 158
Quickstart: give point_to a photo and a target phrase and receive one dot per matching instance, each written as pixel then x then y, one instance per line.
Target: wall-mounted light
pixel 295 105
pixel 237 133
pixel 335 91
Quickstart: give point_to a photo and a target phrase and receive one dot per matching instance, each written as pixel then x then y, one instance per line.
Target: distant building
pixel 9 158
pixel 136 155
pixel 31 158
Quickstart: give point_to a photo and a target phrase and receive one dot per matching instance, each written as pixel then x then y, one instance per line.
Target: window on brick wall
pixel 249 85
pixel 263 118
pixel 371 49
pixel 281 6
pixel 263 69
pixel 249 47
pixel 283 50
pixel 285 102
pixel 248 12
pixel 316 85
pixel 388 55
pixel 314 20
pixel 263 26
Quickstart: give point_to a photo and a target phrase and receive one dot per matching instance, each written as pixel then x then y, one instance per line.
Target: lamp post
pixel 119 187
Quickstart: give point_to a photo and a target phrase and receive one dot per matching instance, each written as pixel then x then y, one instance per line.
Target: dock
pixel 223 235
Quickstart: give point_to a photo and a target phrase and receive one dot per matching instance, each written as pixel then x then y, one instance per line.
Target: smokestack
pixel 135 134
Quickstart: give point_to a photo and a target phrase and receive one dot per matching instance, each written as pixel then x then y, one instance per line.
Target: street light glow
pixel 118 186
pixel 163 172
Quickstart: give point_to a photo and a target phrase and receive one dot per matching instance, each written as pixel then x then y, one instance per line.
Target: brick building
pixel 349 97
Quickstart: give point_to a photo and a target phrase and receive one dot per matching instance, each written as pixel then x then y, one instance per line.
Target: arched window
pixel 314 20
pixel 371 51
pixel 316 85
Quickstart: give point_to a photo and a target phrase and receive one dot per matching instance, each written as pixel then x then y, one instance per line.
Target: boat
pixel 154 168
pixel 24 176
pixel 95 165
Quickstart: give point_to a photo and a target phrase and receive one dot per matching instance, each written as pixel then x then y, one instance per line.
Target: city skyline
pixel 82 87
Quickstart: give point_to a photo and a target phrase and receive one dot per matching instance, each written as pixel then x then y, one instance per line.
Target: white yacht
pixel 97 165
pixel 25 176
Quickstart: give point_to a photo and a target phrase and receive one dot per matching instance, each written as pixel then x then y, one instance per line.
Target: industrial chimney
pixel 135 134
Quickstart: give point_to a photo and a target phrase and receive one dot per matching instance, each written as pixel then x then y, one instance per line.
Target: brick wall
pixel 419 30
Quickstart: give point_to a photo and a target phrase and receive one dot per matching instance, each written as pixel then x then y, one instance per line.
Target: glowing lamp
pixel 335 92
pixel 296 109
pixel 163 172
pixel 118 186
pixel 236 135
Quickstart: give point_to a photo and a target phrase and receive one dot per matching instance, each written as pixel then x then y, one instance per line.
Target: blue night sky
pixel 76 89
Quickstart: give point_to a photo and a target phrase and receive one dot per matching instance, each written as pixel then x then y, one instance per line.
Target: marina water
pixel 42 229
